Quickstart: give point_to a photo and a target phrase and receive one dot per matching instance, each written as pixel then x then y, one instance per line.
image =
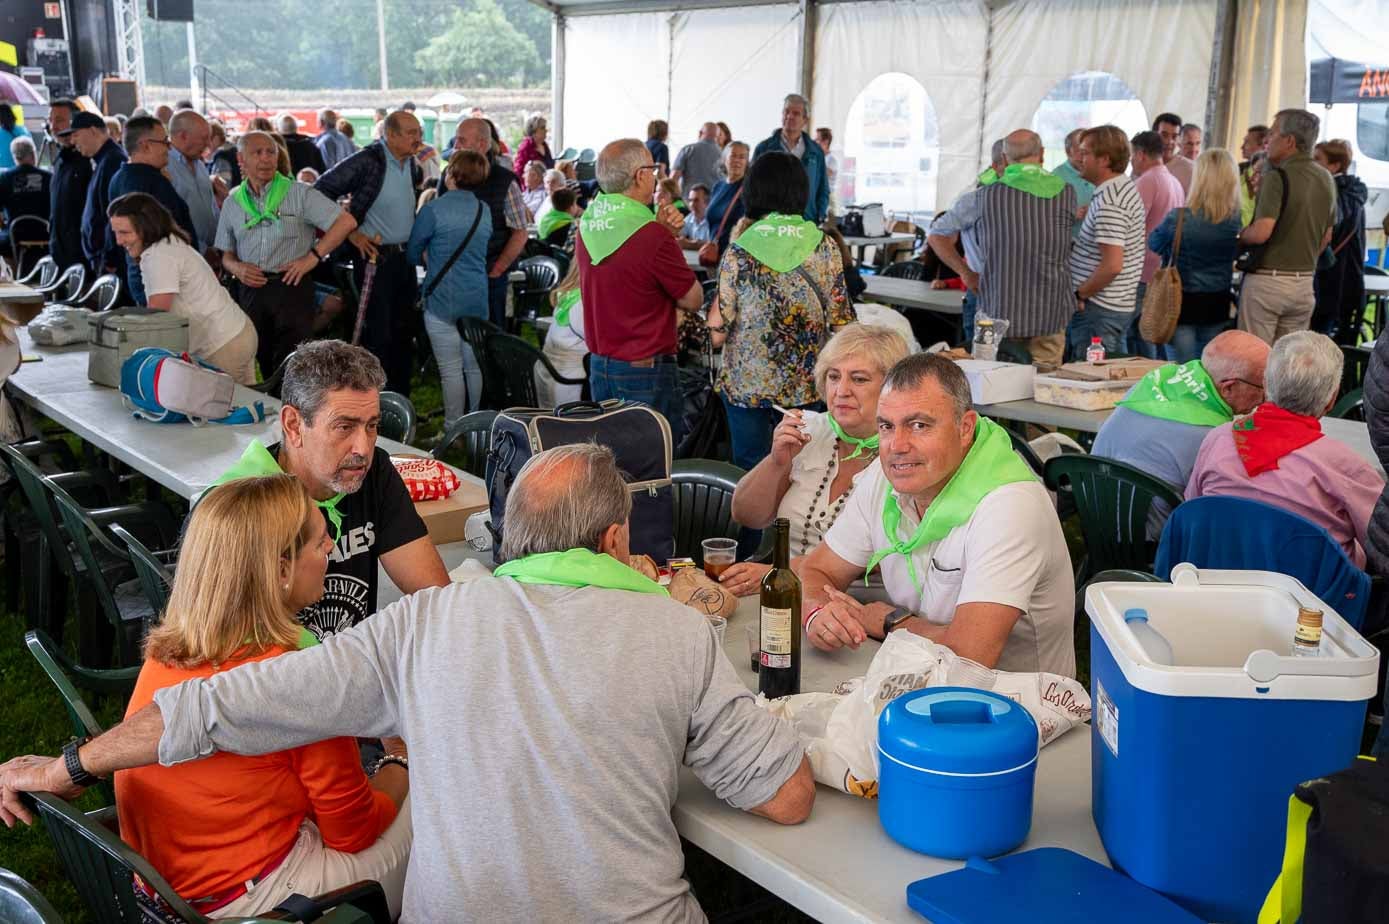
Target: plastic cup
pixel 719 556
pixel 753 632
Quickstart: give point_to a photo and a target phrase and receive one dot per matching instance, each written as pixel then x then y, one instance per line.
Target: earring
pixel 286 588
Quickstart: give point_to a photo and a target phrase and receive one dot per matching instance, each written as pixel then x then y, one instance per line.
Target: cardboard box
pixel 1081 395
pixel 1129 369
pixel 19 304
pixel 995 382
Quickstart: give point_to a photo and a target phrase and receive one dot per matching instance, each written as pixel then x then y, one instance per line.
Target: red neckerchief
pixel 1269 434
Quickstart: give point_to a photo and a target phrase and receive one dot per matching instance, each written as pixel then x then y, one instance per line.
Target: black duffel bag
pixel 638 436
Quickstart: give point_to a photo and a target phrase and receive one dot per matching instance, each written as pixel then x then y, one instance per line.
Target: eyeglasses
pixel 648 167
pixel 1258 388
pixel 164 141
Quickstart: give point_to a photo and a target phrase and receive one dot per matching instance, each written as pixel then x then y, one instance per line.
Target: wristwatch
pixel 315 251
pixel 895 618
pixel 76 772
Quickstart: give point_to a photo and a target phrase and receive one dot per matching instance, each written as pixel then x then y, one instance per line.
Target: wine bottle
pixel 779 672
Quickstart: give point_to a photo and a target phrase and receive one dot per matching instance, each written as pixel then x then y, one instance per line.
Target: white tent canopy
pixel 960 73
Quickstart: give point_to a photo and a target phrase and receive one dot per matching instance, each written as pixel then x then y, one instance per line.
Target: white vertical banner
pixel 616 78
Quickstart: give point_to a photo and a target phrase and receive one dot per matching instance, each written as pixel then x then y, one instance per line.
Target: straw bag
pixel 1162 302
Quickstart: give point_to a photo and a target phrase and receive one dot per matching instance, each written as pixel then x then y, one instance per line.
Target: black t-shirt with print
pixel 376 519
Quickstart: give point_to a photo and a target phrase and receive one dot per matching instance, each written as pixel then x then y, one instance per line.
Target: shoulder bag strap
pixel 728 212
pixel 1177 238
pixel 456 254
pixel 819 293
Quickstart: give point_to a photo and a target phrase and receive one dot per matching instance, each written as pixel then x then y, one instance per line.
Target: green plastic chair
pixel 102 868
pixel 155 578
pixel 1351 406
pixel 1113 501
pixel 515 361
pixel 476 332
pixel 21 533
pixel 21 903
pixel 703 495
pixel 468 439
pixel 397 417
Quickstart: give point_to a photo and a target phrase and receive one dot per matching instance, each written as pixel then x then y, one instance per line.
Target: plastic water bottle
pixel 1095 353
pixel 1158 649
pixel 985 340
pixel 1307 638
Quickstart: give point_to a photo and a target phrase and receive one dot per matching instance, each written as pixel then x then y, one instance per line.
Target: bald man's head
pixel 1023 147
pixel 709 132
pixel 474 135
pixel 569 497
pixel 1235 361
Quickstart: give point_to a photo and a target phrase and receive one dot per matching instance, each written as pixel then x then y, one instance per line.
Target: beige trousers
pixel 1047 349
pixel 1271 306
pixel 312 869
pixel 237 357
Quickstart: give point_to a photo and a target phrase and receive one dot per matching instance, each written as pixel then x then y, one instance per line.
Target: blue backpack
pixel 166 387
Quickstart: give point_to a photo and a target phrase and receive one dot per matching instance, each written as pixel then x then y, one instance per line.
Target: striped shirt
pixel 1026 240
pixel 1115 217
pixel 272 244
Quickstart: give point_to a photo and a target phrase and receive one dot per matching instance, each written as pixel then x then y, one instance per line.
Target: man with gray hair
pixel 1278 455
pixel 1020 228
pixel 998 162
pixel 633 278
pixel 266 236
pixel 330 411
pixel 189 133
pixel 24 191
pixel 333 146
pixel 302 151
pixel 548 710
pixel 697 164
pixel 988 577
pixel 501 193
pixel 794 140
pixel 1293 218
pixel 1069 170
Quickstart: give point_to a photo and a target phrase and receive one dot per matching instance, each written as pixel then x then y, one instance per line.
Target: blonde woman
pixel 1205 260
pixel 236 835
pixel 818 458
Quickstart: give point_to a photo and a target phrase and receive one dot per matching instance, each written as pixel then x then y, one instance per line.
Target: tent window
pixel 891 148
pixel 1372 130
pixel 1082 101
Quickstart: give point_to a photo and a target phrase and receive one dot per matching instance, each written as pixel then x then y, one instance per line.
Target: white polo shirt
pixel 171 267
pixel 1010 552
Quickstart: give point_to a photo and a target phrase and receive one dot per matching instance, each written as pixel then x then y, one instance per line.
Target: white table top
pixel 1377 285
pixel 183 458
pixel 897 238
pixel 692 260
pixel 1047 415
pixel 913 293
pixel 840 866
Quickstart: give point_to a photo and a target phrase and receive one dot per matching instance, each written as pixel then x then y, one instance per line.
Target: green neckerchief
pixel 608 221
pixel 990 463
pixel 257 462
pixel 780 242
pixel 565 305
pixel 578 568
pixel 989 177
pixel 275 194
pixel 1033 180
pixel 1184 394
pixel 306 639
pixel 871 444
pixel 680 204
pixel 551 222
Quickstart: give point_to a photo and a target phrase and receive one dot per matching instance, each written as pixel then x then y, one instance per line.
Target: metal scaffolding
pixel 130 48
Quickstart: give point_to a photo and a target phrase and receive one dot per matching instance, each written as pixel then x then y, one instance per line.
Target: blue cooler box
pixel 1192 762
pixel 955 772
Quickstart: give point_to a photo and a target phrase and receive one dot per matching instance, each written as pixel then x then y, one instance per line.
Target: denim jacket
pixel 361 176
pixel 1207 256
pixel 439 230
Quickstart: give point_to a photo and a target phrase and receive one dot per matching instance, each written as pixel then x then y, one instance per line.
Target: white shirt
pixel 535 199
pixel 1011 552
pixel 172 267
pixel 813 469
pixel 697 229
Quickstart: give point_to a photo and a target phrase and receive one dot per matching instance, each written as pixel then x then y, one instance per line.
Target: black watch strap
pixel 894 619
pixel 76 772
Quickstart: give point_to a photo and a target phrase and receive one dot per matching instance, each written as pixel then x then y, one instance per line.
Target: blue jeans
pixel 1111 327
pixel 1188 340
pixel 460 375
pixel 496 300
pixel 967 312
pixel 657 386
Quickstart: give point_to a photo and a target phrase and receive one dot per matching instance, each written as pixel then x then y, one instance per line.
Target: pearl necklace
pixel 833 514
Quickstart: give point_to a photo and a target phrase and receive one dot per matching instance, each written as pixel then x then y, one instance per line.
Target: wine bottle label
pixel 776 631
pixel 1308 634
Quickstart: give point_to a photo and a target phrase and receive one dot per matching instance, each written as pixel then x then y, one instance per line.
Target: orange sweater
pixel 209 825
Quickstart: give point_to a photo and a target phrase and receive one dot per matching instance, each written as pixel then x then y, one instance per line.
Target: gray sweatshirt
pixel 546 728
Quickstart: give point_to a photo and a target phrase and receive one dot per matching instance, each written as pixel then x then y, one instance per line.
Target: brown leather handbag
pixel 1162 302
pixel 709 253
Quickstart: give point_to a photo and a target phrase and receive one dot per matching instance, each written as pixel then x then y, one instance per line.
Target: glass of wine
pixel 719 556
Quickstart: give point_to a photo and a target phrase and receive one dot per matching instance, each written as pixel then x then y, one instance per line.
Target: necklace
pixel 819 524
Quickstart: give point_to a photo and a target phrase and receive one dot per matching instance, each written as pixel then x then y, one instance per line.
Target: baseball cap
pixel 83 120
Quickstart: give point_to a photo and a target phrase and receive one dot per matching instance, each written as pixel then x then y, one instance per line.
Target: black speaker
pixel 170 10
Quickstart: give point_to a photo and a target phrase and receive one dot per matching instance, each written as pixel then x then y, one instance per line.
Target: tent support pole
pixel 809 22
pixel 984 90
pixel 557 78
pixel 1218 90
